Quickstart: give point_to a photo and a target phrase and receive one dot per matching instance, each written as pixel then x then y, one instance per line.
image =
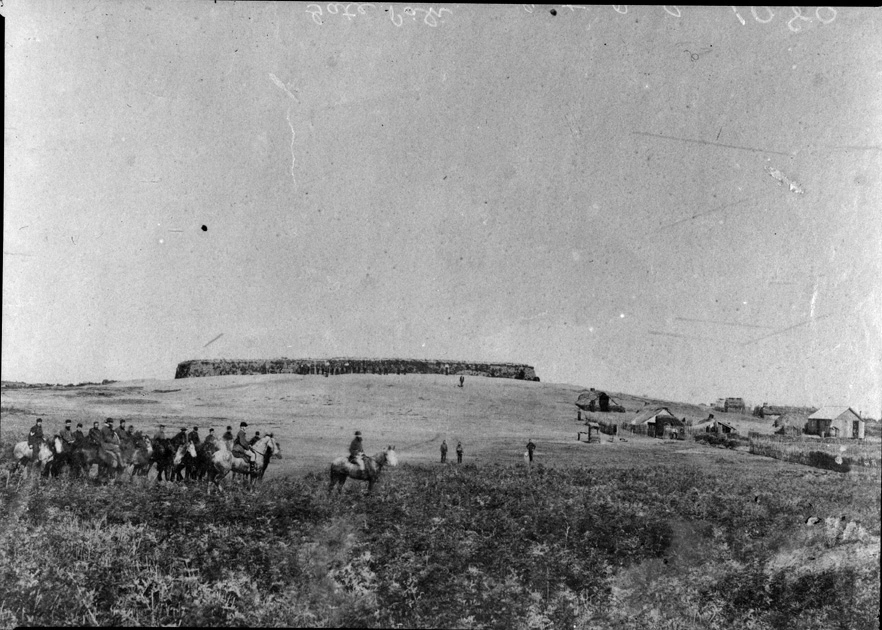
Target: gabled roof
pixel 831 413
pixel 726 424
pixel 652 412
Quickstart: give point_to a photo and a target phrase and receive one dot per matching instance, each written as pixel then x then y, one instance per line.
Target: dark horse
pixel 342 469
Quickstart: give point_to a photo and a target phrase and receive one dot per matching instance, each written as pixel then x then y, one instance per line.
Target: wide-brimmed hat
pixel 67 422
pixel 243 424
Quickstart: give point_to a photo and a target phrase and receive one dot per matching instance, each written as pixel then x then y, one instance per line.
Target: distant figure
pixel 459 452
pixel 255 439
pixel 530 448
pixel 356 451
pixel 228 435
pixel 78 434
pixel 159 435
pixel 461 380
pixel 242 449
pixel 443 451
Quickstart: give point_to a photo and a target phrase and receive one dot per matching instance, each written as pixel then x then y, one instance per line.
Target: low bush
pixel 462 547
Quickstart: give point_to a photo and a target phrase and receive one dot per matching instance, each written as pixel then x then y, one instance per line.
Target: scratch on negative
pixel 288 118
pixel 701 214
pixel 283 87
pixel 708 142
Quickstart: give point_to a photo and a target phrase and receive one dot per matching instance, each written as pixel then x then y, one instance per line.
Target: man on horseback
pixel 241 447
pixel 159 435
pixel 255 439
pixel 210 439
pixel 35 438
pixel 110 441
pixel 95 434
pixel 66 434
pixel 194 436
pixel 228 435
pixel 356 451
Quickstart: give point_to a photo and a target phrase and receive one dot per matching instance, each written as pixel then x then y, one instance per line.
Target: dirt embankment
pixel 346 365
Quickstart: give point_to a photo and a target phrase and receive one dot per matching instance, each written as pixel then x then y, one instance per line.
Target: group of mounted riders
pixel 114 450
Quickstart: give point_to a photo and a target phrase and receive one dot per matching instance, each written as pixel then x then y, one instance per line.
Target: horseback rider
pixel 121 432
pixel 179 439
pixel 210 439
pixel 228 435
pixel 356 451
pixel 95 434
pixel 66 434
pixel 35 438
pixel 241 447
pixel 255 439
pixel 159 435
pixel 194 436
pixel 110 440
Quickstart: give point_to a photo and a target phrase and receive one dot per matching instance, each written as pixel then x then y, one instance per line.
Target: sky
pixel 680 202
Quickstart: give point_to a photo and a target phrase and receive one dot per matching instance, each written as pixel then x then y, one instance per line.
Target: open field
pixel 634 533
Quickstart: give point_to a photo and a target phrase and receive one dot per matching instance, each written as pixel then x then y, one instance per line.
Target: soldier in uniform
pixel 110 440
pixel 35 438
pixel 194 436
pixel 95 434
pixel 180 438
pixel 66 434
pixel 241 447
pixel 159 435
pixel 356 451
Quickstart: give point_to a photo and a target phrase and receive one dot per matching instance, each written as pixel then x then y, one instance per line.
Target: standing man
pixel 443 451
pixel 356 451
pixel 78 434
pixel 35 438
pixel 459 452
pixel 194 436
pixel 530 448
pixel 461 380
pixel 159 435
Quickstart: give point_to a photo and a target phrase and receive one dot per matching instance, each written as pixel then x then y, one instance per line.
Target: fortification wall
pixel 348 365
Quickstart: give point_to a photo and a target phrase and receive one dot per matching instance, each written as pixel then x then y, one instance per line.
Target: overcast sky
pixel 685 207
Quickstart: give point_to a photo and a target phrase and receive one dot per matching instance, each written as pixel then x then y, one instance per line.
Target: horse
pixel 24 454
pixel 188 449
pixel 140 457
pixel 342 468
pixel 223 461
pixel 163 456
pixel 62 453
pixel 87 453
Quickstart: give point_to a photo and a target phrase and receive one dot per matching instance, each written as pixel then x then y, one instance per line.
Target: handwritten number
pixel 797 15
pixel 315 14
pixel 392 17
pixel 740 19
pixel 830 17
pixel 757 18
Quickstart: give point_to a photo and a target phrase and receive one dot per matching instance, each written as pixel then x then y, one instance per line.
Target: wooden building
pixel 839 422
pixel 656 419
